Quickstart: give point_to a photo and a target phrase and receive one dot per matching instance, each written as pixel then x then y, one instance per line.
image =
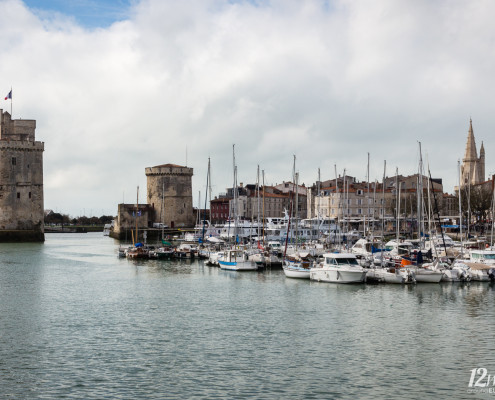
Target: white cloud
pixel 327 81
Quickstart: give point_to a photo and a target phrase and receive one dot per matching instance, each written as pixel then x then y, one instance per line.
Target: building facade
pixel 21 181
pixel 358 201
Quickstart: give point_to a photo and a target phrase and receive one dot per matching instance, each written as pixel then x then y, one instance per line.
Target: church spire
pixel 471 153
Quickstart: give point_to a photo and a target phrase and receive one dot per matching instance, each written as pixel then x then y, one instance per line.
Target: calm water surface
pixel 77 322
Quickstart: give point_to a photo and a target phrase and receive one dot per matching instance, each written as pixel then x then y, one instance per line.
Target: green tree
pixel 479 204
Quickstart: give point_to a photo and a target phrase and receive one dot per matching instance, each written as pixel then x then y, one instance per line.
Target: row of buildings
pixel 341 198
pixel 169 192
pixel 347 198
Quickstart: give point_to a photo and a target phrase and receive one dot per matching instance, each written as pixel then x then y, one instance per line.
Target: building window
pixel 29 194
pixel 14 161
pixel 18 195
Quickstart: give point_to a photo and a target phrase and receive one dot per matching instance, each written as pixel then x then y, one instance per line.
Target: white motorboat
pixel 236 260
pixel 338 268
pixel 478 271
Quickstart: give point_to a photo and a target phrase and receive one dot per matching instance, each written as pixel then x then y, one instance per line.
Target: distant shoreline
pixel 73 229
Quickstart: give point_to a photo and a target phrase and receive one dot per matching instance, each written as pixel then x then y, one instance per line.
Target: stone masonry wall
pixel 21 185
pixel 172 186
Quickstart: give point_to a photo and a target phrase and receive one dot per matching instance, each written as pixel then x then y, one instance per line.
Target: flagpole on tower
pixel 9 96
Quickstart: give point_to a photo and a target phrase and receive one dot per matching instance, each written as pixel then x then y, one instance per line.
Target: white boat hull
pixel 299 273
pixel 425 276
pixel 237 266
pixel 336 275
pixel 385 276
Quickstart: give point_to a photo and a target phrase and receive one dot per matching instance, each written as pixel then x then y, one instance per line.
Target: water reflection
pixel 77 321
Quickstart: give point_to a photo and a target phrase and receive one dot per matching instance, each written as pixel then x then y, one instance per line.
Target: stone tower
pixel 21 181
pixel 170 194
pixel 473 168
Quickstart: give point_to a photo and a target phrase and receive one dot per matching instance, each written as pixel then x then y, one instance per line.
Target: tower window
pixel 14 161
pixel 18 195
pixel 29 194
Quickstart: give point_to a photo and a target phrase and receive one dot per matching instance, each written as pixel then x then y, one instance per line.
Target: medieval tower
pixel 170 194
pixel 473 167
pixel 21 181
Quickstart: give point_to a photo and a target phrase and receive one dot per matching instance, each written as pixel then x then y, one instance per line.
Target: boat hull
pixel 237 265
pixel 298 273
pixel 337 276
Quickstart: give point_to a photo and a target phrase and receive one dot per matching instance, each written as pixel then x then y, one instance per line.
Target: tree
pixel 480 201
pixel 56 218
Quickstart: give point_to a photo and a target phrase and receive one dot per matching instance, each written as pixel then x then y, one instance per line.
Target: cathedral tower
pixel 473 168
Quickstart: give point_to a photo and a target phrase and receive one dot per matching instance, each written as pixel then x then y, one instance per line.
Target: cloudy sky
pixel 118 86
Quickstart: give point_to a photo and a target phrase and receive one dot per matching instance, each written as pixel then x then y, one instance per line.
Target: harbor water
pixel 78 322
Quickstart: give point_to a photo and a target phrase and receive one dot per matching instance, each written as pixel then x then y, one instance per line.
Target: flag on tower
pixel 9 96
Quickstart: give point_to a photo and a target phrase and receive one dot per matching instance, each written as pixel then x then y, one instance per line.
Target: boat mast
pixel 460 206
pixel 137 211
pixel 337 194
pixel 374 205
pixel 206 201
pixel 383 211
pixel 397 203
pixel 469 206
pixel 419 208
pixel 163 210
pixel 263 174
pixel 297 206
pixel 345 208
pixel 293 194
pixel 438 212
pixel 367 199
pixel 318 190
pixel 258 201
pixel 290 210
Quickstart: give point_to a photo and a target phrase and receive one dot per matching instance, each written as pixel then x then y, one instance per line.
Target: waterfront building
pixel 21 181
pixel 346 199
pixel 219 209
pixel 288 188
pixel 267 202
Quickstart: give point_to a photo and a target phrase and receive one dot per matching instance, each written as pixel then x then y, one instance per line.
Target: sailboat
pixel 235 259
pixel 297 265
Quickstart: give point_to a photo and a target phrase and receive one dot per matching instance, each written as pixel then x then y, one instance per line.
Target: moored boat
pixel 338 268
pixel 236 260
